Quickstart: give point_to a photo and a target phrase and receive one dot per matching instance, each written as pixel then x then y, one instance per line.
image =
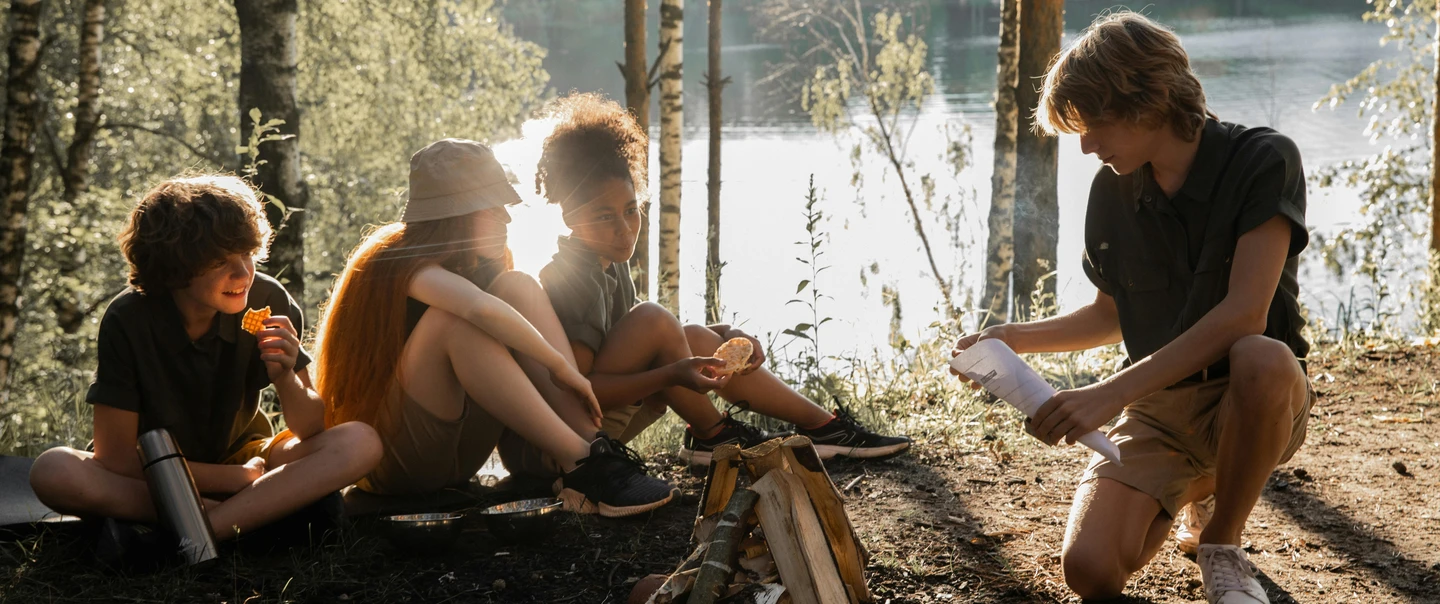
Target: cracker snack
pixel 254 320
pixel 736 353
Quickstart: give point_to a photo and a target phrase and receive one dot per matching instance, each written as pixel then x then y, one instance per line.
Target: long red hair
pixel 362 327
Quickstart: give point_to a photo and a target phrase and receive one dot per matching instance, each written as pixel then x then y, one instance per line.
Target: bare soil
pixel 1356 514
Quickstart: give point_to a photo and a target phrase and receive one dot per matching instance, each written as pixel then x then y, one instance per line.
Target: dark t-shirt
pixel 1167 261
pixel 205 392
pixel 588 299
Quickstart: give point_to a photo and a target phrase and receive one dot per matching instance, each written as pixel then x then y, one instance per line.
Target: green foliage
pixel 808 361
pixel 377 80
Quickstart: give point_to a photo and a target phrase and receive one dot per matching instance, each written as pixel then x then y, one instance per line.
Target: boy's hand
pixel 698 374
pixel 571 379
pixel 991 333
pixel 279 347
pixel 249 473
pixel 1071 414
pixel 756 358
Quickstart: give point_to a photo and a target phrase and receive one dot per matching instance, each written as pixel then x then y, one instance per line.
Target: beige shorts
pixel 1169 439
pixel 623 424
pixel 260 447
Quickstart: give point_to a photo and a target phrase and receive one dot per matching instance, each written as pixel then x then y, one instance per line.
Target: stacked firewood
pixel 771 529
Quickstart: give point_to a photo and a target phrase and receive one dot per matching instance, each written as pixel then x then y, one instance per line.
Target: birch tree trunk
pixel 1435 145
pixel 637 100
pixel 68 309
pixel 671 122
pixel 715 84
pixel 1000 245
pixel 18 155
pixel 1037 207
pixel 267 82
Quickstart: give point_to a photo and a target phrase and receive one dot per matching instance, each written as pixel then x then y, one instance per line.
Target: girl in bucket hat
pixel 416 341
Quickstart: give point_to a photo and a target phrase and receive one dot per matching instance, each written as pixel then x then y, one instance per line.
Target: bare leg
pixel 74 482
pixel 446 358
pixel 646 338
pixel 765 393
pixel 1114 530
pixel 1267 389
pixel 524 293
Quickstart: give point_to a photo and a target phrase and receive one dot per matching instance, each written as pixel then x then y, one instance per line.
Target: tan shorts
pixel 260 447
pixel 623 424
pixel 1169 439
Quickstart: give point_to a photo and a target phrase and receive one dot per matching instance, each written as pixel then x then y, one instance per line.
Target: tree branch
pixel 163 134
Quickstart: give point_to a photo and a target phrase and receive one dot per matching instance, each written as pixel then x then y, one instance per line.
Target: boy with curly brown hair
pixel 173 355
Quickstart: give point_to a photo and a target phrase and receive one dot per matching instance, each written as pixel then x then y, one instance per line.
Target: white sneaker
pixel 1191 522
pixel 1229 576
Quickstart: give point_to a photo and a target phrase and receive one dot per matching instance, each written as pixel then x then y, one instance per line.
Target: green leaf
pixel 791 332
pixel 802 285
pixel 255 114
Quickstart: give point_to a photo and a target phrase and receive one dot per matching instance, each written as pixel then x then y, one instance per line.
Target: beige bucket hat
pixel 453 177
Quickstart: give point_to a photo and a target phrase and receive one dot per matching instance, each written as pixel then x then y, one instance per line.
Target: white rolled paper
pixel 999 370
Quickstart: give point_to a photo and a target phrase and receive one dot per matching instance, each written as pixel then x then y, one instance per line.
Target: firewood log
pixel 797 541
pixel 719 484
pixel 850 555
pixel 729 532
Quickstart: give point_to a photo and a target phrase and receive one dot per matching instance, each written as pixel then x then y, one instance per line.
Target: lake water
pixel 1257 70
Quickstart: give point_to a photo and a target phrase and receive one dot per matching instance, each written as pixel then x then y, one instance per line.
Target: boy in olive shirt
pixel 173 355
pixel 1191 236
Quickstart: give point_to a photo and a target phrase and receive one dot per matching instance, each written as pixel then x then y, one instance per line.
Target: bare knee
pixel 1093 573
pixel 515 285
pixel 56 478
pixel 1265 370
pixel 703 340
pixel 657 317
pixel 361 444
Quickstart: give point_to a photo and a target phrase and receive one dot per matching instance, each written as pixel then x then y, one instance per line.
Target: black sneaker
pixel 612 482
pixel 133 547
pixel 846 437
pixel 732 432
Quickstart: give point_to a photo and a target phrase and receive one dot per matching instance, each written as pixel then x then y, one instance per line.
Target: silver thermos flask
pixel 177 501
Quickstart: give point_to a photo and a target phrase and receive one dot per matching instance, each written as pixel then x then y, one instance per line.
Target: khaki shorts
pixel 624 424
pixel 260 447
pixel 1169 439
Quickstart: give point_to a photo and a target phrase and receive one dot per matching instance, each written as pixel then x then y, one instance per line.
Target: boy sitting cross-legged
pixel 640 358
pixel 173 355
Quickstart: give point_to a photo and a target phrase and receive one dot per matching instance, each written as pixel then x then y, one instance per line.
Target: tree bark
pixel 267 82
pixel 715 84
pixel 671 123
pixel 1037 206
pixel 18 155
pixel 637 100
pixel 69 312
pixel 1435 145
pixel 1000 245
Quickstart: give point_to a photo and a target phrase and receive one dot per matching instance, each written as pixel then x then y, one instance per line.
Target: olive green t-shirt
pixel 588 299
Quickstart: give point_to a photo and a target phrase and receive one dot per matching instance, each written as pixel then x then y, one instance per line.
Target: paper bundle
pixel 999 370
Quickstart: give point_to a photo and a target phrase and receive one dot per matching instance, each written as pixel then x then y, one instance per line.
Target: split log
pixel 797 541
pixel 762 458
pixel 716 570
pixel 850 555
pixel 719 485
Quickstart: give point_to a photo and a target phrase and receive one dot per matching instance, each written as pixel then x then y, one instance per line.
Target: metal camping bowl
pixel 422 532
pixel 524 520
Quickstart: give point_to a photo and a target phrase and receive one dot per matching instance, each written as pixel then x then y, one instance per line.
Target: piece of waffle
pixel 254 320
pixel 736 353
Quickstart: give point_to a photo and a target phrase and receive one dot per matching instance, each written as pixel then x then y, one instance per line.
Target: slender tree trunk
pixel 69 311
pixel 1435 145
pixel 267 82
pixel 1000 245
pixel 18 155
pixel 715 84
pixel 637 100
pixel 1037 207
pixel 671 122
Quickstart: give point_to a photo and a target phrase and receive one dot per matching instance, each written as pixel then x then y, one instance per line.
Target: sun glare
pixel 535 224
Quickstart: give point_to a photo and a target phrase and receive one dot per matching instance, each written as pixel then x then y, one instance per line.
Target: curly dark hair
pixel 186 226
pixel 595 138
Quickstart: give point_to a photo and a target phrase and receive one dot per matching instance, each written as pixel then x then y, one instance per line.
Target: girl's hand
pixel 756 358
pixel 992 333
pixel 699 374
pixel 279 347
pixel 569 378
pixel 1071 414
pixel 250 472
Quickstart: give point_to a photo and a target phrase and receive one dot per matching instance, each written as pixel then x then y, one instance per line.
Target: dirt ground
pixel 1356 514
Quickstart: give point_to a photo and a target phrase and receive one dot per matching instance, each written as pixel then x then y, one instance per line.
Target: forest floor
pixel 1355 515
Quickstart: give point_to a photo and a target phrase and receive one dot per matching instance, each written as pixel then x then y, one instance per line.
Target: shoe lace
pixel 747 431
pixel 1228 571
pixel 619 450
pixel 843 414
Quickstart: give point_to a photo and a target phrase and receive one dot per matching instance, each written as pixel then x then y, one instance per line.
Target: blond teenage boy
pixel 1191 236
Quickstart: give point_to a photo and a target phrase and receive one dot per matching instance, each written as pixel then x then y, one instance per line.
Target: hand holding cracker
pixel 254 320
pixel 736 353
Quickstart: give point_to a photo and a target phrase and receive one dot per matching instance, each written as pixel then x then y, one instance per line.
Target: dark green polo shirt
pixel 1167 261
pixel 588 299
pixel 206 392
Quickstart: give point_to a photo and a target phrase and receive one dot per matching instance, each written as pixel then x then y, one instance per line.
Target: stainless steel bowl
pixel 524 520
pixel 422 533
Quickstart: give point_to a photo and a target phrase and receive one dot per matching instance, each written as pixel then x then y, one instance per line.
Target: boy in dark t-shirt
pixel 1191 236
pixel 173 355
